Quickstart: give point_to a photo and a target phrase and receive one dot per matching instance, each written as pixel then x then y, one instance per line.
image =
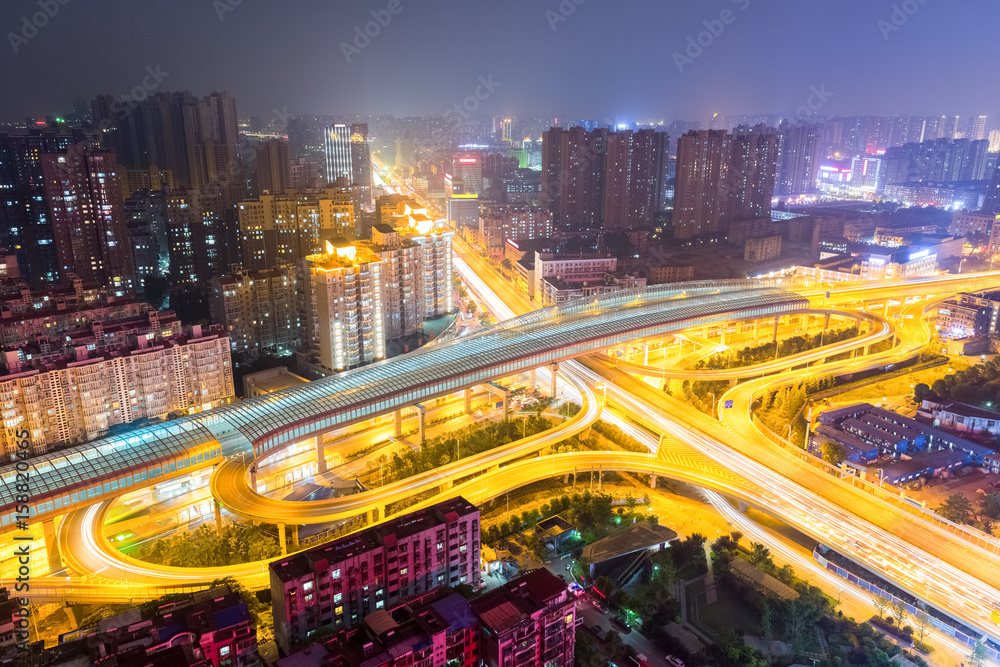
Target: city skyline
pixel 867 58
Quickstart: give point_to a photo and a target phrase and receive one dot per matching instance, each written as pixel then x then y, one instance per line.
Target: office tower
pixel 506 131
pixel 146 219
pixel 273 168
pixel 76 395
pixel 701 192
pixel 197 139
pixel 258 310
pixel 337 584
pixel 867 175
pixel 754 160
pixel 283 228
pixel 527 621
pixel 977 128
pixel 468 168
pixel 799 153
pixel 462 206
pixel 88 217
pixel 348 157
pixel 573 173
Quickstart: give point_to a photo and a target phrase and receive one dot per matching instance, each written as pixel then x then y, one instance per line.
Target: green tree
pixel 957 508
pixel 978 656
pixel 922 620
pixel 920 392
pixel 833 452
pixel 766 617
pixel 899 612
pixel 881 604
pixel 991 505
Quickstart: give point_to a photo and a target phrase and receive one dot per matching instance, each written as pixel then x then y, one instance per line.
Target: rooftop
pixel 638 536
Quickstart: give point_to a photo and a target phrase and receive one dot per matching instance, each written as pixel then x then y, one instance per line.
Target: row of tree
pixel 205 547
pixel 977 385
pixel 750 356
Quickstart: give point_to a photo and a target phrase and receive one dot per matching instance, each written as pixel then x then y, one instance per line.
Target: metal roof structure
pixel 117 464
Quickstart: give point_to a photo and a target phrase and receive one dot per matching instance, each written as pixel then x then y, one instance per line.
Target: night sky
pixel 607 59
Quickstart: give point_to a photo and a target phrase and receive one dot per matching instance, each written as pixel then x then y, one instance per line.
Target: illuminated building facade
pixel 701 192
pixel 348 156
pixel 258 310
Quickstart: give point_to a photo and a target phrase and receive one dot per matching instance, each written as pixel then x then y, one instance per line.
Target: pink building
pixel 530 622
pixel 339 584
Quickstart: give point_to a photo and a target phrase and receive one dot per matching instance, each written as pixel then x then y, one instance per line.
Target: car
pixel 674 661
pixel 621 625
pixel 596 629
pixel 601 607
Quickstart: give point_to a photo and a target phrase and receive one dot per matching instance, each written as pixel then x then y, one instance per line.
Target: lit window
pixel 224 651
pixel 335 574
pixel 337 597
pixel 338 611
pixel 308 586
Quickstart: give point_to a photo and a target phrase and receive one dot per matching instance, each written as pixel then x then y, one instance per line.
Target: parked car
pixel 621 625
pixel 596 629
pixel 674 661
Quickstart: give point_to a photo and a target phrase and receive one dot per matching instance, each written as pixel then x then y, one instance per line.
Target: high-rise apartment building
pixel 753 163
pixel 197 139
pixel 468 168
pixel 507 134
pixel 977 128
pixel 573 164
pixel 528 621
pixel 273 167
pixel 701 193
pixel 146 216
pixel 258 310
pixel 799 154
pixel 284 228
pixel 196 236
pixel 634 178
pixel 88 217
pixel 340 583
pixel 348 155
pixel 75 397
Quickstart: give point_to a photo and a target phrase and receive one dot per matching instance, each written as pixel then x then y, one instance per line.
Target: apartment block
pixel 72 397
pixel 339 584
pixel 529 621
pixel 258 310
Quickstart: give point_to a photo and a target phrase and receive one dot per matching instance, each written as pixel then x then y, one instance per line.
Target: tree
pixel 155 289
pixel 991 505
pixel 833 452
pixel 921 392
pixel 899 612
pixel 881 604
pixel 766 617
pixel 759 554
pixel 956 508
pixel 978 656
pixel 922 620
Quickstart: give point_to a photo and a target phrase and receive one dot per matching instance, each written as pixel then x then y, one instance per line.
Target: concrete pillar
pixel 295 535
pixel 281 539
pixel 51 545
pixel 774 339
pixel 320 455
pixel 826 323
pixel 742 506
pixel 218 517
pixel 554 369
pixel 531 377
pixel 253 478
pixel 652 481
pixel 503 393
pixel 645 354
pixel 732 383
pixel 756 328
pixel 398 420
pixel 566 479
pixel 422 417
pixel 468 401
pixel 374 515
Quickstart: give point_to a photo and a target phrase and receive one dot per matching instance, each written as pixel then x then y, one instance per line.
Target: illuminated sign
pixel 467 160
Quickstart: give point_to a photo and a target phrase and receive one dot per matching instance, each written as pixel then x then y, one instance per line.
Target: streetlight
pixel 712 393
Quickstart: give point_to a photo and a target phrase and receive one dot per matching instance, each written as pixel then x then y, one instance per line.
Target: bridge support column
pixel 554 370
pixel 398 422
pixel 51 545
pixel 320 455
pixel 531 377
pixel 742 506
pixel 774 339
pixel 376 514
pixel 295 536
pixel 468 401
pixel 281 539
pixel 566 479
pixel 422 418
pixel 732 383
pixel 218 517
pixel 652 481
pixel 826 323
pixel 253 478
pixel 645 354
pixel 504 393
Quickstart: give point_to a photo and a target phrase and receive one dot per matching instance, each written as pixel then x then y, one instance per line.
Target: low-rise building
pixel 972 223
pixel 960 417
pixel 338 584
pixel 660 275
pixel 762 249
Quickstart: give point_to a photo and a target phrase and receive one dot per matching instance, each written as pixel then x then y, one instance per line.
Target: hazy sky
pixel 611 59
